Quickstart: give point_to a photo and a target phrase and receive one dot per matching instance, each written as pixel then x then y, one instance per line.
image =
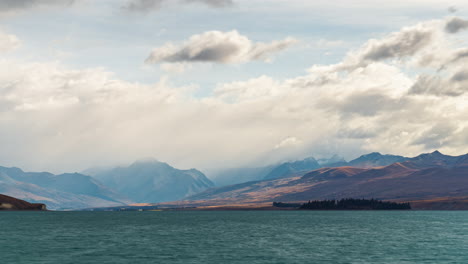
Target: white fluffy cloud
pixel 218 47
pixel 8 42
pixel 381 97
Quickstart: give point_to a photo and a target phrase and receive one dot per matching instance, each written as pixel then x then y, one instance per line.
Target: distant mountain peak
pixel 332 161
pixel 437 153
pixel 290 168
pixel 432 155
pixel 309 159
pixel 372 154
pixel 376 159
pixel 151 180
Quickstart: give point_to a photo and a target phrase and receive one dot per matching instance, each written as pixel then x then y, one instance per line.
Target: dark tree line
pixel 287 205
pixel 354 204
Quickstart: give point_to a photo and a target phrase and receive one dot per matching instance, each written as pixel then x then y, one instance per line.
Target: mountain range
pixel 142 181
pixel 155 181
pixel 425 179
pixel 64 191
pixel 300 167
pixel 431 178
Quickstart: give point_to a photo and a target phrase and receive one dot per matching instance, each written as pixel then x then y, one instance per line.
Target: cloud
pixel 387 102
pixel 398 45
pixel 436 136
pixel 145 6
pixel 452 9
pixel 401 44
pixel 456 85
pixel 288 142
pixel 8 42
pixel 456 24
pixel 368 103
pixel 218 47
pixel 16 5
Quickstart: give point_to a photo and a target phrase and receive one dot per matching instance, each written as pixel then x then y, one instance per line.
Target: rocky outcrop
pixel 8 203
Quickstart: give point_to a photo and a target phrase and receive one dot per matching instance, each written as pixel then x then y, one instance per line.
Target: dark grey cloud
pixel 145 6
pixel 221 52
pixel 369 103
pixel 460 76
pixel 452 9
pixel 12 5
pixel 435 85
pixel 218 47
pixel 398 45
pixel 213 3
pixel 455 25
pixel 460 54
pixel 366 104
pixel 401 45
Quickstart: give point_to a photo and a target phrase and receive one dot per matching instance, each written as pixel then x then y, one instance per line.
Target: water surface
pixel 235 237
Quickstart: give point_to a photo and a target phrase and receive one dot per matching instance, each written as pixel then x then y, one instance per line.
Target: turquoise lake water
pixel 235 237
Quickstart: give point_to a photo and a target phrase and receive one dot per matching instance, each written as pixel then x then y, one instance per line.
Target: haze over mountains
pixel 239 175
pixel 64 191
pixel 142 181
pixel 424 178
pixel 155 181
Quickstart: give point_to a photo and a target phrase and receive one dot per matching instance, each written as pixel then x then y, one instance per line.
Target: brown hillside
pixel 8 203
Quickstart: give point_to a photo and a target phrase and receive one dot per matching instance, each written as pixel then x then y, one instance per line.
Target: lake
pixel 235 237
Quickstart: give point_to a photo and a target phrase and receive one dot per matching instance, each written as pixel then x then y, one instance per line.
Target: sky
pixel 229 83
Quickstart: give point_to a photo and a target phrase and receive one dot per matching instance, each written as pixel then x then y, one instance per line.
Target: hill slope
pixel 8 203
pixel 154 181
pixel 65 191
pixel 300 167
pixel 426 177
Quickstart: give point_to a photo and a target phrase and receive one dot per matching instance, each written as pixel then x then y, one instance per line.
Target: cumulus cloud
pixel 144 6
pixel 218 47
pixel 395 46
pixel 456 24
pixel 456 85
pixel 387 103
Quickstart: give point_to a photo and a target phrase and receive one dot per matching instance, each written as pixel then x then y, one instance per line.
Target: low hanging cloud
pixel 389 103
pixel 218 47
pixel 145 6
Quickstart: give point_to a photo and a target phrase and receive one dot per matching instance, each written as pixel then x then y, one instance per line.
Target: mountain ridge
pixel 147 180
pixel 424 177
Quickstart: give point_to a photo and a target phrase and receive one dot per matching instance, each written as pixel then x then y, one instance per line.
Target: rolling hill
pixel 421 179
